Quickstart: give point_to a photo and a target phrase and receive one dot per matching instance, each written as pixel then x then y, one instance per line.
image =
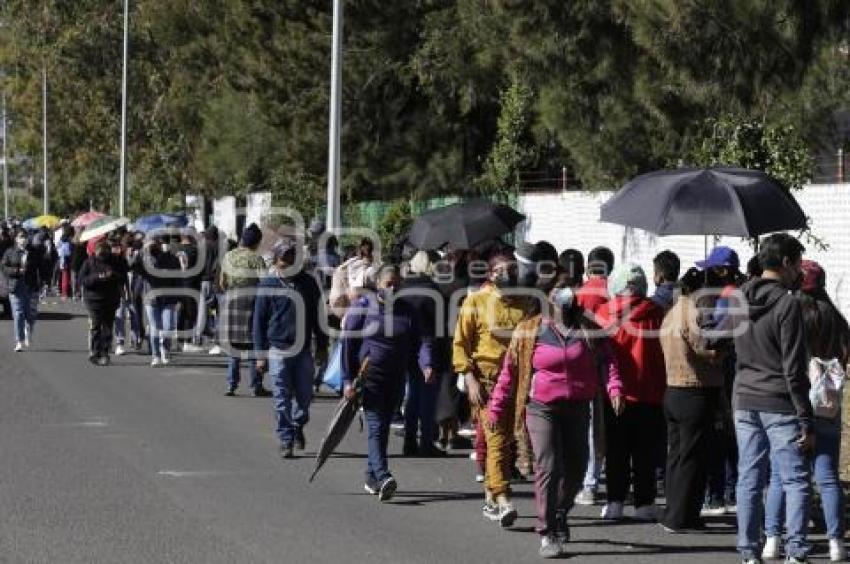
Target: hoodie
pixel 772 361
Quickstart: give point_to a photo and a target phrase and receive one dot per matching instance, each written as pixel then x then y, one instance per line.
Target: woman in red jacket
pixel 634 439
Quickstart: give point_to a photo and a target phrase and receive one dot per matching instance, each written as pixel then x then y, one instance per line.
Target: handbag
pixel 827 383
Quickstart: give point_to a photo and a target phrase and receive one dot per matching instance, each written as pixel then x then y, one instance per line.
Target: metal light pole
pixel 44 138
pixel 334 177
pixel 5 164
pixel 122 182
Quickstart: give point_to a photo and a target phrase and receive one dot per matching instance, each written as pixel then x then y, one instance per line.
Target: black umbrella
pixel 463 226
pixel 342 418
pixel 712 201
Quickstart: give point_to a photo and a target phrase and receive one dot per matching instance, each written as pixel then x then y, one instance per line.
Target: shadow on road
pixel 57 316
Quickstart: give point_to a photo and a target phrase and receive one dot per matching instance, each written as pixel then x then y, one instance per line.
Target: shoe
pixel 165 360
pixel 771 550
pixel 837 552
pixel 751 561
pixel 507 511
pixel 371 486
pixel 612 511
pixel 19 347
pixel 479 478
pixel 103 361
pixel 156 361
pixel 215 350
pixel 550 547
pixel 587 496
pixel 467 431
pixel 795 560
pixel 387 489
pixel 430 451
pixel 670 530
pixel 192 348
pixel 231 392
pixel 300 441
pixel 491 511
pixel 287 452
pixel 713 509
pixel 648 513
pixel 410 448
pixel 93 359
pixel 119 351
pixel 261 392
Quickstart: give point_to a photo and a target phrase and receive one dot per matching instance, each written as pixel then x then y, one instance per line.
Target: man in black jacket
pixel 21 265
pixel 104 277
pixel 773 414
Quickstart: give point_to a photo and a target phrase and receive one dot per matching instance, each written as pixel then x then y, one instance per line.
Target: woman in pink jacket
pixel 552 370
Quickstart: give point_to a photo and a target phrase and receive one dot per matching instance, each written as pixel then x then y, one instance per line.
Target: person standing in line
pixel 285 329
pixel 104 276
pixel 827 340
pixel 21 266
pixel 381 341
pixel 667 266
pixel 241 270
pixel 773 413
pixel 209 288
pixel 486 322
pixel 162 278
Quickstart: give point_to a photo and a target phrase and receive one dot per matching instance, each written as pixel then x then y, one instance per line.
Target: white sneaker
pixel 119 351
pixel 586 497
pixel 215 350
pixel 550 547
pixel 837 553
pixel 19 346
pixel 155 361
pixel 191 348
pixel 646 513
pixel 165 361
pixel 771 549
pixel 613 510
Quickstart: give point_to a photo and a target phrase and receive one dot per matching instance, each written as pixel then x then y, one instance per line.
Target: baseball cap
pixel 720 256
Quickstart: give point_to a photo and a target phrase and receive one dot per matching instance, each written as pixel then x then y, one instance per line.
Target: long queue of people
pixel 721 384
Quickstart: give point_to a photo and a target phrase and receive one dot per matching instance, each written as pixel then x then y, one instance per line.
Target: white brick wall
pixel 571 219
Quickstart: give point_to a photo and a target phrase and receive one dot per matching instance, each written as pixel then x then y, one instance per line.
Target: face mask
pixel 165 247
pixel 504 281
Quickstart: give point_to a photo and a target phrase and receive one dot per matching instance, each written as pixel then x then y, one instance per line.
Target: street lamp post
pixel 334 176
pixel 122 182
pixel 44 132
pixel 5 164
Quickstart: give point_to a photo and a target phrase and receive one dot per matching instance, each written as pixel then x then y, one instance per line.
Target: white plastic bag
pixel 827 380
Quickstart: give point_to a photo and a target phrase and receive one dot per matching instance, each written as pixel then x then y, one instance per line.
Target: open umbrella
pixel 102 226
pixel 463 226
pixel 155 221
pixel 705 201
pixel 84 219
pixel 49 221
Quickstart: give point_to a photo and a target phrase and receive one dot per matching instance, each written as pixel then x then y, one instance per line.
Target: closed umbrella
pixel 102 226
pixel 463 226
pixel 705 201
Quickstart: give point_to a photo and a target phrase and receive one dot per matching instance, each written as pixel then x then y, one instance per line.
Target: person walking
pixel 773 414
pixel 485 325
pixel 22 268
pixel 551 369
pixel 241 270
pixel 381 341
pixel 162 278
pixel 827 341
pixel 104 277
pixel 691 403
pixel 285 329
pixel 635 437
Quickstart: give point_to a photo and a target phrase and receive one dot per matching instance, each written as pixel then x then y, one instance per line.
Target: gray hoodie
pixel 772 359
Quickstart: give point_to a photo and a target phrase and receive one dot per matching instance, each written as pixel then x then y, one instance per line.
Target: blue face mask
pixel 564 298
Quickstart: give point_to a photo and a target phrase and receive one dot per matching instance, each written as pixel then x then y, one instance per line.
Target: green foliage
pixel 395 223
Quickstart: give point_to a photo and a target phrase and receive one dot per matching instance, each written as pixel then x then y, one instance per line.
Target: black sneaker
pixel 387 489
pixel 103 361
pixel 93 359
pixel 300 441
pixel 287 452
pixel 261 392
pixel 430 451
pixel 230 392
pixel 372 486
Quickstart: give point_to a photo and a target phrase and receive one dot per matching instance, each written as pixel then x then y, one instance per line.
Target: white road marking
pixel 191 473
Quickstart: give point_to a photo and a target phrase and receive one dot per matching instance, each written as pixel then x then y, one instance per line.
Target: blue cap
pixel 720 256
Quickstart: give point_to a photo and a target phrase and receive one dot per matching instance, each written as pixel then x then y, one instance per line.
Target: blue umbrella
pixel 155 221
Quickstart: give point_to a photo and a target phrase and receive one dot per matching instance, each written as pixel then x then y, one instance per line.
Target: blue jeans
pixel 378 427
pixel 24 304
pixel 161 319
pixel 234 367
pixel 827 446
pixel 761 435
pixel 292 378
pixel 421 408
pixel 126 309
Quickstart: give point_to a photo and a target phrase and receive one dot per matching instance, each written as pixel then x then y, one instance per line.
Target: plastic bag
pixel 332 377
pixel 827 380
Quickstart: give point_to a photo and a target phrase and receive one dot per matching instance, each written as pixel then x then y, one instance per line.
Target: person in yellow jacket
pixel 485 325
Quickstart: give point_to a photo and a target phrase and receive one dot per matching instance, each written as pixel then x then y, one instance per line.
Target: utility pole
pixel 334 176
pixel 122 183
pixel 44 135
pixel 5 163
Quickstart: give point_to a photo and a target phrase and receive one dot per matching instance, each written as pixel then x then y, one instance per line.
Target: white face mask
pixel 166 247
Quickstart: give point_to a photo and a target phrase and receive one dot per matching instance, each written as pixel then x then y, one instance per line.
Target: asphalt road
pixel 131 464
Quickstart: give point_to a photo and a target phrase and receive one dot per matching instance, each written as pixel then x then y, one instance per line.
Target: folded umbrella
pixel 102 226
pixel 705 201
pixel 463 226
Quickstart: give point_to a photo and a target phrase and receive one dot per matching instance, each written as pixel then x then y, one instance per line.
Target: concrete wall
pixel 571 219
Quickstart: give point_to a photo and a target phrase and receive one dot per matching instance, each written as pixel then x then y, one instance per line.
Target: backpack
pixel 827 381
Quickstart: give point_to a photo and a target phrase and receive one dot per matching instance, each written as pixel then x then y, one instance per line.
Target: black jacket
pixel 772 359
pixel 12 260
pixel 104 279
pixel 431 308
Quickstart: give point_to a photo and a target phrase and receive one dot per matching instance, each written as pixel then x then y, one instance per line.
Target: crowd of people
pixel 722 385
